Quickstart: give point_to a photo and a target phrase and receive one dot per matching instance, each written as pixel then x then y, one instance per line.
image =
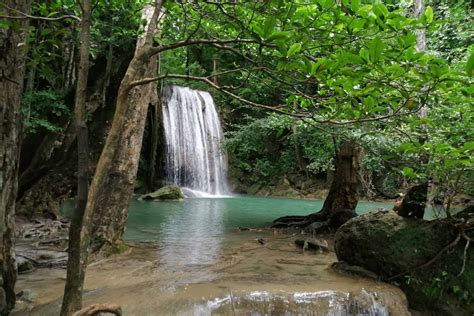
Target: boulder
pixel 169 193
pixel 24 265
pixel 388 245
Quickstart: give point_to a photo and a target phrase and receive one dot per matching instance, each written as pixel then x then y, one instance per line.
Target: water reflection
pixel 192 238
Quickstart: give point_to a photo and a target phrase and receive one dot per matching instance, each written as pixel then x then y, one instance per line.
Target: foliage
pixel 42 109
pixel 334 69
pixel 455 32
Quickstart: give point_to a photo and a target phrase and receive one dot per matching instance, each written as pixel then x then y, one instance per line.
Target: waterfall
pixel 193 135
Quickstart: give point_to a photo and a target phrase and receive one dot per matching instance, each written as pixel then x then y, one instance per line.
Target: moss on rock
pixel 116 249
pixel 169 192
pixel 387 245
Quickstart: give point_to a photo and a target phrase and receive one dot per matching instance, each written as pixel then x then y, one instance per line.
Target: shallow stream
pixel 189 258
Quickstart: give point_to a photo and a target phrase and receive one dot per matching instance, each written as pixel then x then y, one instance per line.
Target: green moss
pixel 116 249
pixel 169 192
pixel 403 244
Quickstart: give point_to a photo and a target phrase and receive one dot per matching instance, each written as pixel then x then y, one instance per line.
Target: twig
pixel 424 265
pixel 468 240
pixel 23 15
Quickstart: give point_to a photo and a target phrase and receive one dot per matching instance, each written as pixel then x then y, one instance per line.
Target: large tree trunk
pixel 12 70
pixel 114 179
pixel 341 201
pixel 72 299
pixel 112 186
pixel 343 191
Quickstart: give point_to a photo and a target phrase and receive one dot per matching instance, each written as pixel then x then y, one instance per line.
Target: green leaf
pixel 429 14
pixel 268 26
pixel 355 5
pixel 357 25
pixel 380 10
pixel 375 49
pixel 468 146
pixel 275 36
pixel 364 54
pixel 295 48
pixel 449 163
pixel 470 65
pixel 409 172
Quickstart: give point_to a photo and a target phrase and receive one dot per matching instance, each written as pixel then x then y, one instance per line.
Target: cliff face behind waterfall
pixel 193 137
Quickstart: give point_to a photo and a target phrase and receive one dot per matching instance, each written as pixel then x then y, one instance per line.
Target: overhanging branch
pixel 217 87
pixel 189 42
pixel 277 109
pixel 23 15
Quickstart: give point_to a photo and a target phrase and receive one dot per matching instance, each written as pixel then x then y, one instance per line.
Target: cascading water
pixel 193 135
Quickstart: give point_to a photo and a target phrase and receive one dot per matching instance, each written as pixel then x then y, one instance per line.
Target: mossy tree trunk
pixel 13 35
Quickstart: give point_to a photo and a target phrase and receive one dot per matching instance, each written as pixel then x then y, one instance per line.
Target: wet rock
pixel 27 296
pixel 169 192
pixel 344 267
pixel 387 245
pixel 42 228
pixel 42 258
pixel 24 265
pixel 303 303
pixel 3 300
pixel 313 244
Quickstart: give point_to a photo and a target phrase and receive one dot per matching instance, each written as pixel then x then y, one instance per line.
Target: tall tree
pixel 72 299
pixel 13 35
pixel 114 180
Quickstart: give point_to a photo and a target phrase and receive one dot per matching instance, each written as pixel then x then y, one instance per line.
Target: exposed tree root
pixel 96 309
pixel 465 256
pixel 317 222
pixel 341 200
pixel 299 262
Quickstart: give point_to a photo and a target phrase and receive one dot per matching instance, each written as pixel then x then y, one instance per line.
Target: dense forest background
pixel 270 152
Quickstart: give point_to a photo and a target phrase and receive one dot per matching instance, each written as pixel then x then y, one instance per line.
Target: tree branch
pixel 40 18
pixel 217 87
pixel 275 109
pixel 159 49
pixel 23 15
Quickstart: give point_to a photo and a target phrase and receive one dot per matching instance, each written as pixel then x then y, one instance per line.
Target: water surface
pixel 189 258
pixel 213 217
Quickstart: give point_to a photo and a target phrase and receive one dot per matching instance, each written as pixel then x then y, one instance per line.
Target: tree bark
pixel 421 33
pixel 114 180
pixel 341 201
pixel 13 37
pixel 72 299
pixel 155 128
pixel 343 191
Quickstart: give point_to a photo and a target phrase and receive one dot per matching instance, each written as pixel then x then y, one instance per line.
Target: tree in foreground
pixel 13 34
